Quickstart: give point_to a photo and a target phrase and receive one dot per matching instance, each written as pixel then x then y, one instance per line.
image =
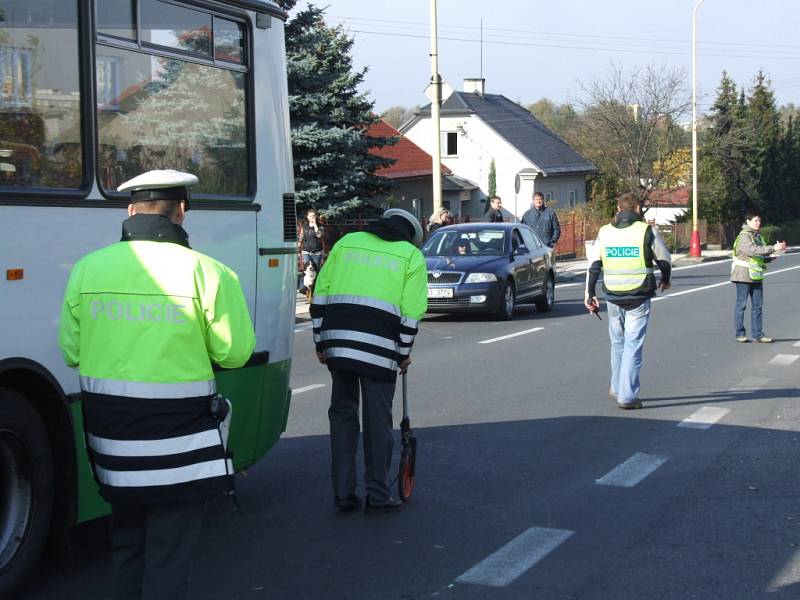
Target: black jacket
pixel 494 216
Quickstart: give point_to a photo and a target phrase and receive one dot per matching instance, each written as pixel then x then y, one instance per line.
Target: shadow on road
pixel 720 519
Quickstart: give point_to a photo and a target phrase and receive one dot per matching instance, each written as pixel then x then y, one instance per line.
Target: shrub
pixel 772 233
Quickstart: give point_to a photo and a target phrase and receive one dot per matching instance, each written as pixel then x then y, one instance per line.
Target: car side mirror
pixel 521 249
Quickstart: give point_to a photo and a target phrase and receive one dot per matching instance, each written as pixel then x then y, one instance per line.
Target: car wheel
pixel 26 488
pixel 508 300
pixel 547 300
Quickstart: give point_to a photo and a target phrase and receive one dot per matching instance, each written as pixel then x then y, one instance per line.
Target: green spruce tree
pixel 333 167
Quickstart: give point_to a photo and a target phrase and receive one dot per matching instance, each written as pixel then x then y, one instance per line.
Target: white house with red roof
pixel 477 128
pixel 666 206
pixel 411 176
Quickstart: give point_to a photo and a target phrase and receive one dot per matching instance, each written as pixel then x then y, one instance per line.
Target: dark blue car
pixel 489 268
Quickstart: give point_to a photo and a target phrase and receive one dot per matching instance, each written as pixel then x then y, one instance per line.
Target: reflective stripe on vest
pixel 755 266
pixel 358 300
pixel 163 447
pixel 624 266
pixel 203 470
pixel 357 336
pixel 361 356
pixel 144 389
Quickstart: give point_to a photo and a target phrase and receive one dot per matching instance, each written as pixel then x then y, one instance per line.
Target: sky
pixel 535 48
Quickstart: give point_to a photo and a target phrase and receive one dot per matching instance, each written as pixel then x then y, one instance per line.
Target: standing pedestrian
pixel 142 321
pixel 365 311
pixel 543 220
pixel 495 212
pixel 750 258
pixel 311 232
pixel 438 219
pixel 626 251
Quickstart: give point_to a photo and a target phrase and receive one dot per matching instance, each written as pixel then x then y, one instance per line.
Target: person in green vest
pixel 750 258
pixel 368 300
pixel 143 321
pixel 626 252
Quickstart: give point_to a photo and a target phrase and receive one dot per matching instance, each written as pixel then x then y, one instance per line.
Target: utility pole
pixel 694 248
pixel 436 83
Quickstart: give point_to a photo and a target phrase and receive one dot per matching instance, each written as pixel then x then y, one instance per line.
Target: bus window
pixel 229 39
pixel 116 17
pixel 164 113
pixel 40 121
pixel 175 27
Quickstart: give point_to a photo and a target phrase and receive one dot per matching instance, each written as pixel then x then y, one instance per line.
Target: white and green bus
pixel 92 93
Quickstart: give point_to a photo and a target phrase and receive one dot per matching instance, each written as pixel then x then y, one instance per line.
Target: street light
pixel 694 249
pixel 436 82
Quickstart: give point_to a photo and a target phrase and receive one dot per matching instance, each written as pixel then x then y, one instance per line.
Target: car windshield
pixel 466 242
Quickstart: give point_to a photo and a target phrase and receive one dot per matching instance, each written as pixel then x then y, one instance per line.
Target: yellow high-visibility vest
pixel 624 266
pixel 755 266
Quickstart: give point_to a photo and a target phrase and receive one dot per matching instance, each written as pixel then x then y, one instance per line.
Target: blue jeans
pixel 756 293
pixel 627 329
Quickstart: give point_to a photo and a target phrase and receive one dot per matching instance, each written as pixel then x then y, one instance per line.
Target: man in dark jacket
pixel 543 220
pixel 368 301
pixel 495 212
pixel 626 251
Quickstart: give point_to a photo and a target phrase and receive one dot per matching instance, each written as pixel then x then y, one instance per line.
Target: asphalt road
pixel 531 483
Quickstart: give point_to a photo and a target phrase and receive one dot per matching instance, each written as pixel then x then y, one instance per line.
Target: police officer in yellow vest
pixel 142 321
pixel 626 251
pixel 368 300
pixel 750 258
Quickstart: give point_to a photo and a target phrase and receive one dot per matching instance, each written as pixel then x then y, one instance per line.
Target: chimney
pixel 475 85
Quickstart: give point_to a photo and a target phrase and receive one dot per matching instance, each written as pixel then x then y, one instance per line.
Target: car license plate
pixel 440 292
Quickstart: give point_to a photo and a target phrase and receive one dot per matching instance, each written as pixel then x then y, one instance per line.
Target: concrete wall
pixel 560 186
pixel 421 189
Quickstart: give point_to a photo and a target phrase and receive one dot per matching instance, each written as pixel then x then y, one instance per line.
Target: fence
pixel 577 228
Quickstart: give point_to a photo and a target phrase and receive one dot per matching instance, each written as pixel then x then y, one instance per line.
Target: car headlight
pixel 480 277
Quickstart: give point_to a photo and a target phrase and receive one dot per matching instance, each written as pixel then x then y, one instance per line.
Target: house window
pixel 548 197
pixel 107 83
pixel 450 143
pixel 572 198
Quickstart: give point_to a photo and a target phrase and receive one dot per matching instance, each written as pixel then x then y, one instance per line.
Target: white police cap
pixel 159 185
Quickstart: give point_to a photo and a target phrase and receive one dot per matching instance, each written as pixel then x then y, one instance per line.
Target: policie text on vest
pixel 138 311
pixel 622 252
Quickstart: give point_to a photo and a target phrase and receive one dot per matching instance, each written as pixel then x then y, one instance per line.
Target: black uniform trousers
pixel 378 437
pixel 153 548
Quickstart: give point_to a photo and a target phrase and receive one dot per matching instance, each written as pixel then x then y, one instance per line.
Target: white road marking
pixel 632 471
pixel 796 344
pixel 783 360
pixel 563 285
pixel 713 285
pixel 510 335
pixel 704 418
pixel 703 264
pixel 755 383
pixel 308 388
pixel 509 562
pixel 691 291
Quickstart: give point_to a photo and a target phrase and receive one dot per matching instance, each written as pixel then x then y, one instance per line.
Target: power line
pixel 564 34
pixel 567 47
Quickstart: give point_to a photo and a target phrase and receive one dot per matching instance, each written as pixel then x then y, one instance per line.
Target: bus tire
pixel 26 489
